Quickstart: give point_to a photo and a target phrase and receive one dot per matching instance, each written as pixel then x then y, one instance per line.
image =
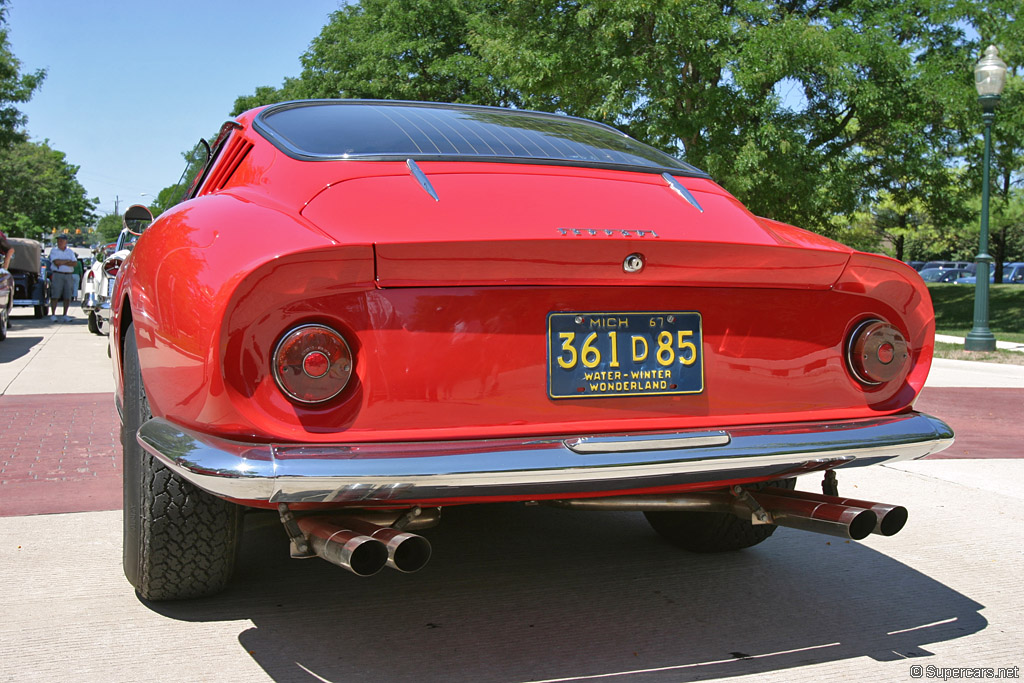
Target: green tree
pixel 40 191
pixel 804 110
pixel 395 49
pixel 109 227
pixel 195 158
pixel 291 89
pixel 1007 211
pixel 15 87
pixel 810 111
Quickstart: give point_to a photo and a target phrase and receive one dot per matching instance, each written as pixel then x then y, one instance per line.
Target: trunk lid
pixel 514 225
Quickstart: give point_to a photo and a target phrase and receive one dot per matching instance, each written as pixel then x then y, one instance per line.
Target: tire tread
pixel 712 532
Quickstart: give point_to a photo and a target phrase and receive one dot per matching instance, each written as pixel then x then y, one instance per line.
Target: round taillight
pixel 312 364
pixel 111 266
pixel 877 353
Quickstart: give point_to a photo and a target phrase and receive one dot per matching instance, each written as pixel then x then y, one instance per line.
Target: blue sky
pixel 131 84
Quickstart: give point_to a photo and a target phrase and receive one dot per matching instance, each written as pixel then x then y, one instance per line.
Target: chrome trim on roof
pixel 682 191
pixel 421 178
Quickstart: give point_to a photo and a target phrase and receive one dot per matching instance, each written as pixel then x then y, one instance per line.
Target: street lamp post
pixel 989 77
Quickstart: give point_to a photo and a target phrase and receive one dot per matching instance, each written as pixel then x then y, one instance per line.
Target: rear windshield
pixel 355 129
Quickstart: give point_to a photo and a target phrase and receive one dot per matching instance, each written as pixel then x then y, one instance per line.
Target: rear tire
pixel 5 320
pixel 179 541
pixel 93 325
pixel 712 532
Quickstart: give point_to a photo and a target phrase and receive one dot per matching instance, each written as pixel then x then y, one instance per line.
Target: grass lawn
pixel 954 310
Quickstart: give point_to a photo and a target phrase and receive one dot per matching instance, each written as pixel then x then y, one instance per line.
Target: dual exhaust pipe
pixel 843 517
pixel 364 548
pixel 832 515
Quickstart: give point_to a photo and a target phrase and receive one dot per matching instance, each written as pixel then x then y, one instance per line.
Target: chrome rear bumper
pixel 381 473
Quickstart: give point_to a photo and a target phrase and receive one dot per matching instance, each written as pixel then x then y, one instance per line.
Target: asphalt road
pixel 513 593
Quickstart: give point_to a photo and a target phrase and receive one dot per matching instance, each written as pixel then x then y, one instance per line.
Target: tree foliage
pixel 40 192
pixel 109 227
pixel 38 188
pixel 195 159
pixel 15 87
pixel 820 113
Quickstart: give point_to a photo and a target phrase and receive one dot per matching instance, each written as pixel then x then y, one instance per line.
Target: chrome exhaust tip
pixel 891 518
pixel 834 516
pixel 348 549
pixel 407 552
pixel 822 517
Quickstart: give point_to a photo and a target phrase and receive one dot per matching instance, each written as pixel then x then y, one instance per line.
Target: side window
pixel 200 182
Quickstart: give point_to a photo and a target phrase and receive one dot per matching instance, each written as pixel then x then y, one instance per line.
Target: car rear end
pixel 467 330
pixel 474 297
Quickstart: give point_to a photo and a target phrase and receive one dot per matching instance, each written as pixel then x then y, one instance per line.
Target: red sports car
pixel 366 311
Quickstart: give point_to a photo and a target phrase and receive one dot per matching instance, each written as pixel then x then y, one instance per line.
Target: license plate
pixel 600 355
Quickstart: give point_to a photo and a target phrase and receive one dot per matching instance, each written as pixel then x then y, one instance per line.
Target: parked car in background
pixel 943 275
pixel 92 281
pixel 949 265
pixel 100 280
pixel 30 270
pixel 916 265
pixel 366 311
pixel 1013 273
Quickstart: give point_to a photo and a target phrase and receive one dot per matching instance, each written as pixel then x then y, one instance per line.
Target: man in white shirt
pixel 64 281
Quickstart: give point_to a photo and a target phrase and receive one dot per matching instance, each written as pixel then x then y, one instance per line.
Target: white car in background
pixel 98 282
pixel 92 280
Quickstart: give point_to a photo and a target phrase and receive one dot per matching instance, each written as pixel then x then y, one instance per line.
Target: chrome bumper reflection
pixel 89 302
pixel 374 473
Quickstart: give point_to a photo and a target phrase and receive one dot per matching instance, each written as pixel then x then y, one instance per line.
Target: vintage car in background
pixel 31 275
pixel 366 311
pixel 98 282
pixel 6 300
pixel 93 278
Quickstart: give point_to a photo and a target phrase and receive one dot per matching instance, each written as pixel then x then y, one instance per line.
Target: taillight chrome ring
pixel 312 364
pixel 876 353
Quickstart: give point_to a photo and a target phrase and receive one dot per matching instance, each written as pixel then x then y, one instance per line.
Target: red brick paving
pixel 988 423
pixel 61 452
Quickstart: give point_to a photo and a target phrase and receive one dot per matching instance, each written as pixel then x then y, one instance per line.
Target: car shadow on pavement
pixel 518 593
pixel 14 348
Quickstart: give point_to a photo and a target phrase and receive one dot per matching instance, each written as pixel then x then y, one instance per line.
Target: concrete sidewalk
pixel 45 357
pixel 519 593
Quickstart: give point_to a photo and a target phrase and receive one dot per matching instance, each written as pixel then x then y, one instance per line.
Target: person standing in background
pixel 6 250
pixel 63 259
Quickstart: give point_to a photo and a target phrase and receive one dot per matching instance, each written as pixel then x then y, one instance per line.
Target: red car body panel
pixel 444 302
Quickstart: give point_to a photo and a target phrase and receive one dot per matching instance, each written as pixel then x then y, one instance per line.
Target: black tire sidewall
pixel 179 541
pixel 135 413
